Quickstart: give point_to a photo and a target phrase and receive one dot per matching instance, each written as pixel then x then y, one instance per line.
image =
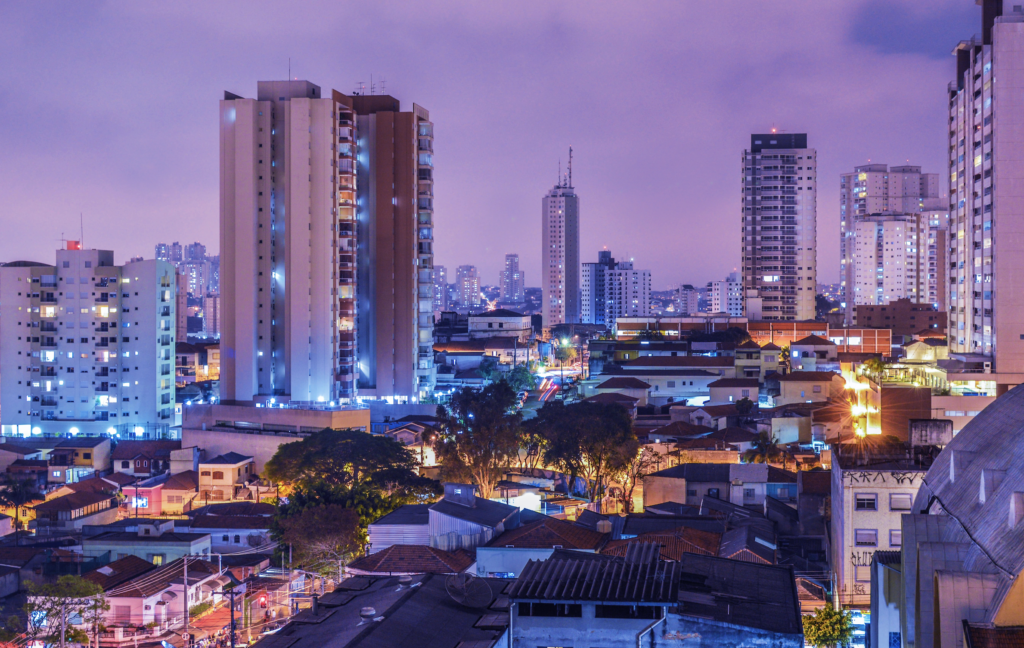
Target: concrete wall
pixel 503 560
pixel 261 447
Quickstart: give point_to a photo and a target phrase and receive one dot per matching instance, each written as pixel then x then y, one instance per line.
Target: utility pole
pixel 184 599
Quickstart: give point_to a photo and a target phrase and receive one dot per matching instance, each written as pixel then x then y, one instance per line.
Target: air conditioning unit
pixel 987 367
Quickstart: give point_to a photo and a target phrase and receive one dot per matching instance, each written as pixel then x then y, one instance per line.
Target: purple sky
pixel 110 109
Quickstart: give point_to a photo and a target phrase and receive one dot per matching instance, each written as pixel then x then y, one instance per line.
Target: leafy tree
pixel 585 439
pixel 489 369
pixel 323 537
pixel 53 607
pixel 766 450
pixel 784 355
pixel 565 353
pixel 828 627
pixel 531 448
pixel 346 459
pixel 636 462
pixel 876 367
pixel 521 378
pixel 479 434
pixel 744 406
pixel 15 493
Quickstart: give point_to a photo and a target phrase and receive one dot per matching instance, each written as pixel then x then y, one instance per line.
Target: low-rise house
pixel 161 495
pixel 740 484
pixel 736 437
pixel 460 519
pixel 672 543
pixel 627 385
pixel 732 390
pixel 69 512
pixel 153 540
pixel 626 601
pixel 230 533
pixel 507 555
pixel 754 361
pixel 37 471
pixel 629 403
pixel 813 353
pixel 143 458
pixel 809 387
pixel 500 323
pixel 11 451
pixel 81 456
pixel 119 571
pixel 397 560
pixel 225 477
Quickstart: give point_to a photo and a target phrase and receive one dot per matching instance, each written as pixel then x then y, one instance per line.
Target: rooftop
pixel 621 382
pixel 606 397
pixel 498 312
pixel 119 571
pixel 73 501
pixel 410 514
pixel 813 340
pixel 228 458
pixel 157 449
pixel 736 382
pixel 550 533
pixel 681 361
pixel 809 376
pixel 412 559
pixel 696 472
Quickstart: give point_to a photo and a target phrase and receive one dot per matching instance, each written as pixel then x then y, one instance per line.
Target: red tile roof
pixel 549 533
pixel 156 449
pixel 682 430
pixel 412 559
pixel 980 636
pixel 673 543
pixel 771 346
pixel 624 382
pixel 119 571
pixel 813 340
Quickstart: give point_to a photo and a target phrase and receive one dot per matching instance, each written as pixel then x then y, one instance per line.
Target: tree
pixel 348 459
pixel 479 434
pixel 489 369
pixel 744 406
pixel 784 355
pixel 828 627
pixel 15 494
pixel 585 439
pixel 53 608
pixel 521 379
pixel 766 450
pixel 823 305
pixel 875 367
pixel 323 537
pixel 565 353
pixel 636 462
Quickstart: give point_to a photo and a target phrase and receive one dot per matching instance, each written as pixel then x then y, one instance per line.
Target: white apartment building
pixel 889 258
pixel 440 289
pixel 560 254
pixel 727 296
pixel 687 300
pixel 986 135
pixel 326 238
pixel 513 281
pixel 870 494
pixel 467 286
pixel 779 227
pixel 88 347
pixel 875 189
pixel 613 289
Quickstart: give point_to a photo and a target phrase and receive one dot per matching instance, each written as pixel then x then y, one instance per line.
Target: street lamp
pixel 561 366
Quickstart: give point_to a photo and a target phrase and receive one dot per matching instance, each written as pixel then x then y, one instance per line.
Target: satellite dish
pixel 469 591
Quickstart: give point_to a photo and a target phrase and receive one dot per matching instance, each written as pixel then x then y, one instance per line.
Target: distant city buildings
pixel 873 189
pixel 613 289
pixel 327 256
pixel 727 296
pixel 560 253
pixel 779 227
pixel 687 300
pixel 440 289
pixel 88 347
pixel 513 281
pixel 467 286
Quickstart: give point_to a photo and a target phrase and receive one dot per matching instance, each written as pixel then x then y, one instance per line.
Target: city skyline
pixel 131 199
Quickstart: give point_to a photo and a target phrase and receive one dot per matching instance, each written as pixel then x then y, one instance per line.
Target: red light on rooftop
pixel 73 245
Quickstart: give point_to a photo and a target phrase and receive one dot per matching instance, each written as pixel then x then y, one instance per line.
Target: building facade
pixel 687 300
pixel 88 346
pixel 875 189
pixel 440 289
pixel 986 210
pixel 727 296
pixel 467 286
pixel 560 254
pixel 513 281
pixel 889 259
pixel 613 289
pixel 779 227
pixel 326 230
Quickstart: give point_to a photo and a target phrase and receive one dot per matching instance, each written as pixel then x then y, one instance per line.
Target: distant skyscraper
pixel 986 307
pixel 512 281
pixel 195 252
pixel 727 296
pixel 176 253
pixel 888 259
pixel 163 252
pixel 467 286
pixel 325 293
pixel 440 288
pixel 614 289
pixel 779 227
pixel 560 256
pixel 876 189
pixel 687 300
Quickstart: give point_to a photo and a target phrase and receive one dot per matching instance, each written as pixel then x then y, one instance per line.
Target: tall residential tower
pixel 779 227
pixel 560 254
pixel 513 281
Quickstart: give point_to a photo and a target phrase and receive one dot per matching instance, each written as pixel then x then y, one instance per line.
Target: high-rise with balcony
pixel 613 289
pixel 326 263
pixel 88 347
pixel 513 282
pixel 440 289
pixel 779 227
pixel 986 172
pixel 560 254
pixel 877 189
pixel 727 296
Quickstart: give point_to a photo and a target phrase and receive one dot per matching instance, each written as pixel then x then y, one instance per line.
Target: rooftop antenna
pixel 382 80
pixel 570 166
pixel 361 89
pixel 558 180
pixel 373 86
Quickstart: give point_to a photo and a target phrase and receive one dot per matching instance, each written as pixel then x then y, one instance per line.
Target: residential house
pixel 153 540
pixel 226 476
pixel 754 361
pixel 740 484
pixel 500 323
pixel 714 416
pixel 397 560
pixel 507 555
pixel 732 390
pixel 164 494
pixel 230 533
pixel 459 519
pixel 813 353
pixel 69 512
pixel 639 599
pixel 626 401
pixel 11 451
pixel 626 385
pixel 143 458
pixel 809 387
pixel 119 571
pixel 78 458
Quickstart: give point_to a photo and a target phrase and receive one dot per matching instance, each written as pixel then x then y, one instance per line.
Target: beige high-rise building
pixel 876 189
pixel 779 227
pixel 986 172
pixel 560 254
pixel 889 259
pixel 326 206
